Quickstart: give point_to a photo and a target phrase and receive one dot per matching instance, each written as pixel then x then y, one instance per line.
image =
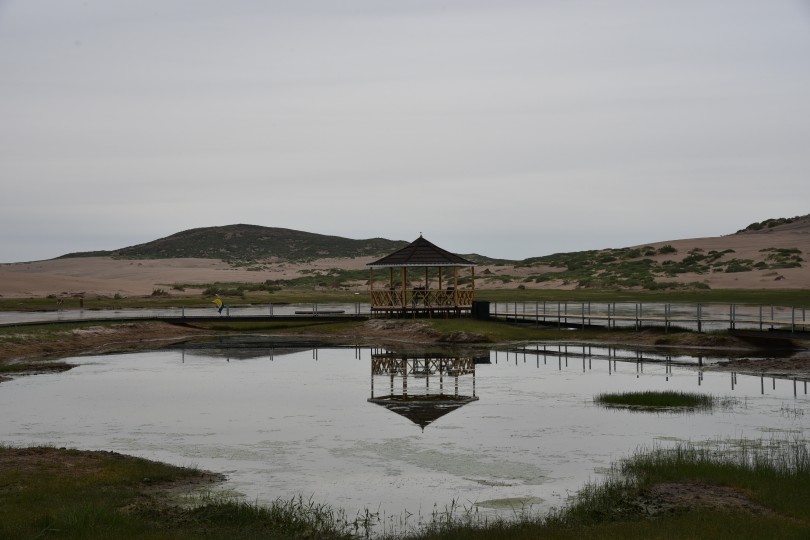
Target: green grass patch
pixel 497 331
pixel 657 400
pixel 283 327
pixel 50 493
pixel 33 367
pixel 43 332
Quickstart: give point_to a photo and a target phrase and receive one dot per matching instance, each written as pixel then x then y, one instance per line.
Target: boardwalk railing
pixel 700 317
pixel 355 310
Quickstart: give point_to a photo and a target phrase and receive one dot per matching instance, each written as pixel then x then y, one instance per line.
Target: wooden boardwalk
pixel 699 317
pixel 741 318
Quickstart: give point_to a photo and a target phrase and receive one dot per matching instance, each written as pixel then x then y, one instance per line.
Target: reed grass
pixel 108 500
pixel 774 474
pixel 657 400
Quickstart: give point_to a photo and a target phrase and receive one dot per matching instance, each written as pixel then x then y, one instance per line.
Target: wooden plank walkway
pixel 199 319
pixel 700 317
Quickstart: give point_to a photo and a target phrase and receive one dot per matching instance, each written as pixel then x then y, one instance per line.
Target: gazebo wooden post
pixel 455 287
pixel 371 293
pixel 391 287
pixel 404 279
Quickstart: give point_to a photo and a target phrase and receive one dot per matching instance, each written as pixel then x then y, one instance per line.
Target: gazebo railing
pixel 395 365
pixel 422 298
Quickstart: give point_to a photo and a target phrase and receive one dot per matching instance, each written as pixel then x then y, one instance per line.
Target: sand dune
pixel 108 276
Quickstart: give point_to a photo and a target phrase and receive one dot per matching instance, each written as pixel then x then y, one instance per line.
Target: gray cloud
pixel 512 129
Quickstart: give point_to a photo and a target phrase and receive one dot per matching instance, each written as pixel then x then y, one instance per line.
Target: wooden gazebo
pixel 422 279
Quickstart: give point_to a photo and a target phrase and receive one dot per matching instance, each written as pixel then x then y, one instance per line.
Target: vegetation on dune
pixel 782 258
pixel 769 223
pixel 633 268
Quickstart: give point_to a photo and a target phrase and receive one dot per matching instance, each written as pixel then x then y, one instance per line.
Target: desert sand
pixel 107 276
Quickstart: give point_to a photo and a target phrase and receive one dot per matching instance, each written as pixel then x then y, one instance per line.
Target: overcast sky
pixel 510 128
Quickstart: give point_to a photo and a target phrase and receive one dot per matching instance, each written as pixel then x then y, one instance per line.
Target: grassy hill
pixel 249 243
pixel 246 243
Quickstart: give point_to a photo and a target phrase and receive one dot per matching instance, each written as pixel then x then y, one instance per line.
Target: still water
pixel 500 431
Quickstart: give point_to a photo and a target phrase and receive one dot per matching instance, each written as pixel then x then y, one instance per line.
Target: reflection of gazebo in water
pixel 426 388
pixel 438 289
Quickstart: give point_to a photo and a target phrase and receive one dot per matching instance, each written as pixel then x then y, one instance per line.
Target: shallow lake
pixel 285 421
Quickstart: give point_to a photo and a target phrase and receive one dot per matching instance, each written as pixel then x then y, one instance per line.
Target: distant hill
pixel 772 250
pixel 235 243
pixel 247 243
pixel 794 224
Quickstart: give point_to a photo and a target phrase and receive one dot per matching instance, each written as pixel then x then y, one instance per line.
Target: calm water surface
pixel 301 422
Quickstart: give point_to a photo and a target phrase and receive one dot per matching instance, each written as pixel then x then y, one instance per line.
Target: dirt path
pixel 796 366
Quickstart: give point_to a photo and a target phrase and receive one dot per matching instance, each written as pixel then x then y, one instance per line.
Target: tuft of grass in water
pixel 657 400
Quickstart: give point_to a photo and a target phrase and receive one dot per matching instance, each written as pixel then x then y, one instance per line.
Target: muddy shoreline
pixel 28 346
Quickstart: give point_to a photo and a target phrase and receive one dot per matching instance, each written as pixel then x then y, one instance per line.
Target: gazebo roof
pixel 423 411
pixel 420 252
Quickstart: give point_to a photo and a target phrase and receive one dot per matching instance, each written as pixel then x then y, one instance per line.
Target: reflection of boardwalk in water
pixel 422 389
pixel 614 356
